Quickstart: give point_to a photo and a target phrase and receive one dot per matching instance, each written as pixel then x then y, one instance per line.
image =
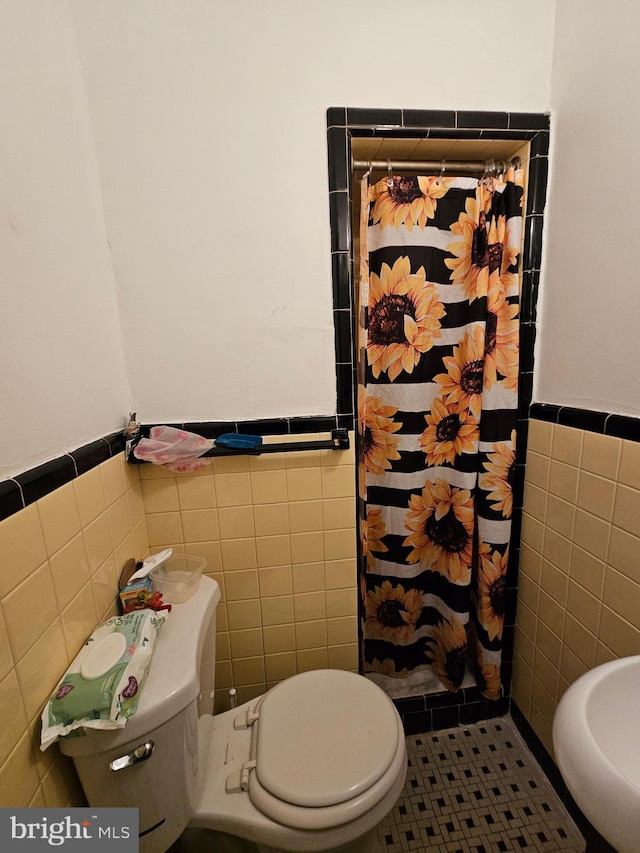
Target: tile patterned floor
pixel 477 789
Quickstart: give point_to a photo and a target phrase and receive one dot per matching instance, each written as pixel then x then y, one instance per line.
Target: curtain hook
pixel 389 175
pixel 442 168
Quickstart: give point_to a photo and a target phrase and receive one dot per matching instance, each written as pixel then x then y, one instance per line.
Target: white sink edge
pixel 608 809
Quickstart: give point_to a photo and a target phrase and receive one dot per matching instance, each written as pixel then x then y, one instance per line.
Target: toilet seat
pixel 324 749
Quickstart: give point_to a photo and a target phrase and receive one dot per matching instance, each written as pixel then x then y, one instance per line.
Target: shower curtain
pixel 437 408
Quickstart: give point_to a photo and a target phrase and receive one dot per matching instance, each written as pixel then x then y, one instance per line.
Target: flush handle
pixel 140 753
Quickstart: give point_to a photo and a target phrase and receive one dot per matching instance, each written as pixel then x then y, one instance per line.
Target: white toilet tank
pixel 153 762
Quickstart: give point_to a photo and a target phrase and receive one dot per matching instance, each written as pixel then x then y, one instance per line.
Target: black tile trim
pixel 529 121
pixel 622 426
pixel 548 766
pixel 544 412
pixel 525 393
pixel 483 119
pixel 336 117
pixel 369 120
pixel 43 479
pixel 582 418
pixel 299 426
pixel 417 722
pixel 445 710
pixel 90 455
pixel 538 175
pixel 429 118
pixel 341 275
pixel 529 296
pixel 604 423
pixel 339 217
pixel 345 385
pixel 445 718
pixel 337 153
pixel 116 442
pixel 210 429
pixel 527 345
pixel 267 426
pixel 359 115
pixel 532 251
pixel 540 144
pixel 18 492
pixel 343 332
pixel 457 133
pixel 11 499
pixel 407 704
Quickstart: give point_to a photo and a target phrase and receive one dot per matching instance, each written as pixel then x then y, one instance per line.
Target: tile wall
pixel 278 534
pixel 579 578
pixel 60 558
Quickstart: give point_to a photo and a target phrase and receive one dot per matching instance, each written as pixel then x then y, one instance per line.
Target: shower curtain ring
pixel 389 175
pixel 442 168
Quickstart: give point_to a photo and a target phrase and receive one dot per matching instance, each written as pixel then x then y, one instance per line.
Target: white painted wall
pixel 209 134
pixel 62 377
pixel 210 123
pixel 589 346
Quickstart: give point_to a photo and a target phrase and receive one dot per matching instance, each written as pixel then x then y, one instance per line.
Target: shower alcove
pixel 407 139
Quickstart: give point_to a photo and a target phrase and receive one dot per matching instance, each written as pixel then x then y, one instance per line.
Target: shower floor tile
pixel 477 789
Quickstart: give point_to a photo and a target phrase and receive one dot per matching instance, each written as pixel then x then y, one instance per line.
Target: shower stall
pixel 436 236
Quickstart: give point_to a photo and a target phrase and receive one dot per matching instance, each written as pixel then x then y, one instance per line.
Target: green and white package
pixel 101 688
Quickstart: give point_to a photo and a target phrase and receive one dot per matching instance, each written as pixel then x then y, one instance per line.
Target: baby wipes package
pixel 100 690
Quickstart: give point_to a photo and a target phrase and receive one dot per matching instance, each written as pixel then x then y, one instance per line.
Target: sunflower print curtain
pixel 437 410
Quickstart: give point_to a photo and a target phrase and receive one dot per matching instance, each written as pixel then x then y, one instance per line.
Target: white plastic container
pixel 178 578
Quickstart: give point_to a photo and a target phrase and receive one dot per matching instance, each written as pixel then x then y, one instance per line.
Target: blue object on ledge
pixel 236 444
pixel 238 440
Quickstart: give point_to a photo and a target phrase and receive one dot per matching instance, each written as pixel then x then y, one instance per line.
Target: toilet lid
pixel 324 737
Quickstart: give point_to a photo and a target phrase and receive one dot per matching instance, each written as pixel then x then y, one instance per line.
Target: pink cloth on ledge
pixel 175 449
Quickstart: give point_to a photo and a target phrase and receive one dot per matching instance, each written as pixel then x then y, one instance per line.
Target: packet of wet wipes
pixel 101 687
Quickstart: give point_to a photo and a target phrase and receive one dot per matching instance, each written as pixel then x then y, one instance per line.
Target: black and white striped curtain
pixel 437 409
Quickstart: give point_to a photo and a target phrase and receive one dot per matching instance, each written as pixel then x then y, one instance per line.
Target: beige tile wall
pixel 60 559
pixel 278 533
pixel 579 581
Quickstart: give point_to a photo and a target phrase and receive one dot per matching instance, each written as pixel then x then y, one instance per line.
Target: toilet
pixel 312 765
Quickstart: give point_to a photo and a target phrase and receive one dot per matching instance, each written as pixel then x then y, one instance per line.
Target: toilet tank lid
pixel 173 681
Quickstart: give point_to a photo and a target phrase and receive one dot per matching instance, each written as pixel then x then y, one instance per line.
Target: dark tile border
pixel 11 499
pixel 595 842
pixel 436 711
pixel 18 492
pixel 618 426
pixel 27 488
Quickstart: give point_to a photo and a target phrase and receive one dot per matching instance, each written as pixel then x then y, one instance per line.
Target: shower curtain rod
pixel 443 166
